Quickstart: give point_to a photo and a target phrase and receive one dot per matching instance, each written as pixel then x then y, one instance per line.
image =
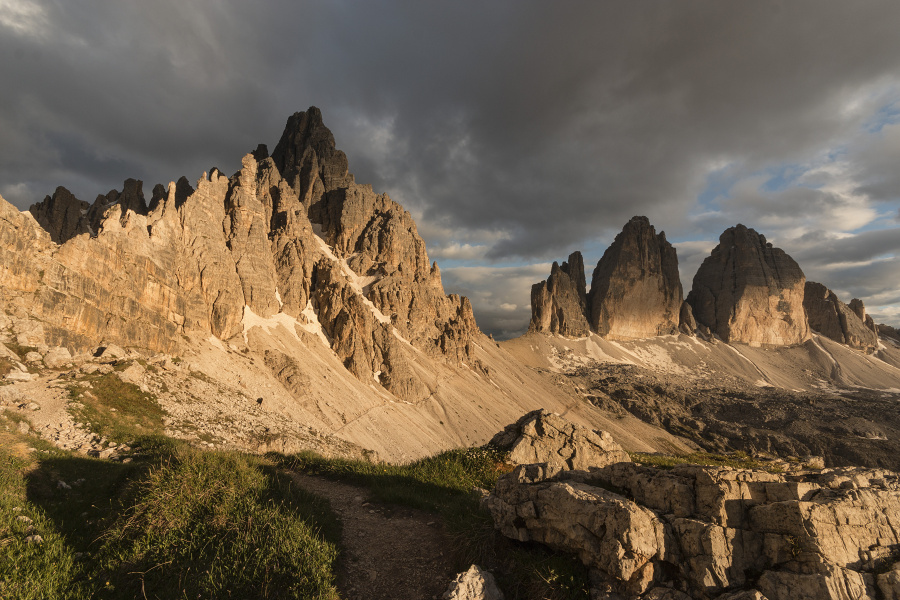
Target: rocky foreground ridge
pixel 695 532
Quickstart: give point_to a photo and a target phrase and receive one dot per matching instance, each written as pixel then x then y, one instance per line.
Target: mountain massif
pixel 287 282
pixel 288 307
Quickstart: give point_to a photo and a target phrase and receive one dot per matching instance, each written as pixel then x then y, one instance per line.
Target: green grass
pixel 135 412
pixel 183 523
pixel 444 484
pixel 735 460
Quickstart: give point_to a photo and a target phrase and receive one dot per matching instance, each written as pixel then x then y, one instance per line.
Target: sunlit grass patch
pixel 116 409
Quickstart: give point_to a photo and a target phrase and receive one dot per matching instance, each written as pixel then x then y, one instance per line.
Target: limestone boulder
pixel 838 321
pixel 750 292
pixel 635 289
pixel 544 437
pixel 57 358
pixel 473 584
pixel 712 532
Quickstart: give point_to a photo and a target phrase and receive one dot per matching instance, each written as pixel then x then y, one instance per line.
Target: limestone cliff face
pixel 838 321
pixel 291 233
pixel 636 290
pixel 559 304
pixel 747 291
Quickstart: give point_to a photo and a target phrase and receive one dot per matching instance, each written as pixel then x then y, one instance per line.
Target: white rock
pixel 132 374
pixel 33 357
pixel 57 357
pixel 473 584
pixel 19 376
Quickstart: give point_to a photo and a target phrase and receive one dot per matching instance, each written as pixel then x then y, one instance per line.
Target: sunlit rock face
pixel 636 290
pixel 292 233
pixel 750 292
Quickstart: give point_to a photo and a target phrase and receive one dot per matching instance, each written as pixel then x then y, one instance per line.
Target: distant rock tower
pixel 832 318
pixel 635 291
pixel 558 305
pixel 750 292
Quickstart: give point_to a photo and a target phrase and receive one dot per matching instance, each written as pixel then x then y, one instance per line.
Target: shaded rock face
pixel 712 532
pixel 544 437
pixel 62 215
pixel 559 304
pixel 838 321
pixel 750 292
pixel 291 233
pixel 636 290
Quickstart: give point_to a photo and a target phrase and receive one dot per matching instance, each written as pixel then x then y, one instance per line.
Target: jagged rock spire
pixel 636 290
pixel 558 304
pixel 832 318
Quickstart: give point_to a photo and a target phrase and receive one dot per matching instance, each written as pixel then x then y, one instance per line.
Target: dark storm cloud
pixel 512 130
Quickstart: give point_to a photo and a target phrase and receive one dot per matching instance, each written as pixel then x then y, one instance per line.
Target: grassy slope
pixel 180 523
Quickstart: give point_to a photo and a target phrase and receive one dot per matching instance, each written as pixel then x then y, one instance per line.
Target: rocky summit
pixel 635 291
pixel 750 292
pixel 202 259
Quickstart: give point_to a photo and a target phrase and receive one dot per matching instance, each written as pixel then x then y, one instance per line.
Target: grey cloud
pixel 501 296
pixel 525 127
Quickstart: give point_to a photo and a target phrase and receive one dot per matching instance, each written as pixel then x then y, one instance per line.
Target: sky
pixel 514 131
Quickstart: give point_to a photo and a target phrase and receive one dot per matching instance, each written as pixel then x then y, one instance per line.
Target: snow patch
pixel 356 282
pixel 251 320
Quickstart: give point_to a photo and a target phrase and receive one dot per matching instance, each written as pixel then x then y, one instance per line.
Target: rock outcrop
pixel 832 318
pixel 750 292
pixel 635 289
pixel 474 584
pixel 544 437
pixel 559 304
pixel 291 233
pixel 712 532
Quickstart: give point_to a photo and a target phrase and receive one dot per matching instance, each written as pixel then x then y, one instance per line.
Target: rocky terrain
pixel 702 532
pixel 289 308
pixel 829 316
